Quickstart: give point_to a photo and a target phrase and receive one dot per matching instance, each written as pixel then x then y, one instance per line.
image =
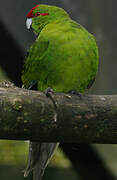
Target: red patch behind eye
pixel 44 14
pixel 31 15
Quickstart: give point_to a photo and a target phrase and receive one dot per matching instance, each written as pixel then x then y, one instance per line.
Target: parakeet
pixel 64 57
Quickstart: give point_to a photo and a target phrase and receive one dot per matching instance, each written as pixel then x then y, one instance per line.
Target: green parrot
pixel 65 58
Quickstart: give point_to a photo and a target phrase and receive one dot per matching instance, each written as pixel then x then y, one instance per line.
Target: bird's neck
pixel 42 25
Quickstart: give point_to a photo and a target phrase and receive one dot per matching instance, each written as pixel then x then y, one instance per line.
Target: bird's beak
pixel 28 23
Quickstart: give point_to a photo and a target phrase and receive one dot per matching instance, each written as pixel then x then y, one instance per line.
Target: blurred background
pixel 72 161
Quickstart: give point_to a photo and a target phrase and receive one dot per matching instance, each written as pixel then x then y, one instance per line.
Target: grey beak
pixel 28 23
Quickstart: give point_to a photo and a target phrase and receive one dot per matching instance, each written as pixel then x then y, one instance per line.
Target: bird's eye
pixel 38 14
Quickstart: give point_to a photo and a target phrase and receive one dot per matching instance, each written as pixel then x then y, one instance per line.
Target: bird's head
pixel 41 15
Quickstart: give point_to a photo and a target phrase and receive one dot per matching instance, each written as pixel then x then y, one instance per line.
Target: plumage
pixel 63 57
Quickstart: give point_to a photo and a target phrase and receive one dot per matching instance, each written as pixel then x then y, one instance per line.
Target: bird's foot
pixel 75 93
pixel 49 91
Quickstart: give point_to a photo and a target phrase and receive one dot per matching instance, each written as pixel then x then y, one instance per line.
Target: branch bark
pixel 26 114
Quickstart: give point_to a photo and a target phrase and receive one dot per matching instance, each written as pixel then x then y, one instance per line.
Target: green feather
pixel 64 55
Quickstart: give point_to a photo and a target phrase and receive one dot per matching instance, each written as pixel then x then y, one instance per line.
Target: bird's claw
pixel 75 93
pixel 49 91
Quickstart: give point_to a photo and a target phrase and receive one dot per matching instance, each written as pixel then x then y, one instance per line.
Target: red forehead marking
pixel 30 14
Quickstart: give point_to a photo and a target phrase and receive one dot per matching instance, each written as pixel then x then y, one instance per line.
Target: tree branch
pixel 31 115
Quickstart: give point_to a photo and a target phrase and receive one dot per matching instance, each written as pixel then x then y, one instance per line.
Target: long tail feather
pixel 39 157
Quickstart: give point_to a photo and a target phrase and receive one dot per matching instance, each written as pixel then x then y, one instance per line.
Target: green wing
pixel 64 57
pixel 32 61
